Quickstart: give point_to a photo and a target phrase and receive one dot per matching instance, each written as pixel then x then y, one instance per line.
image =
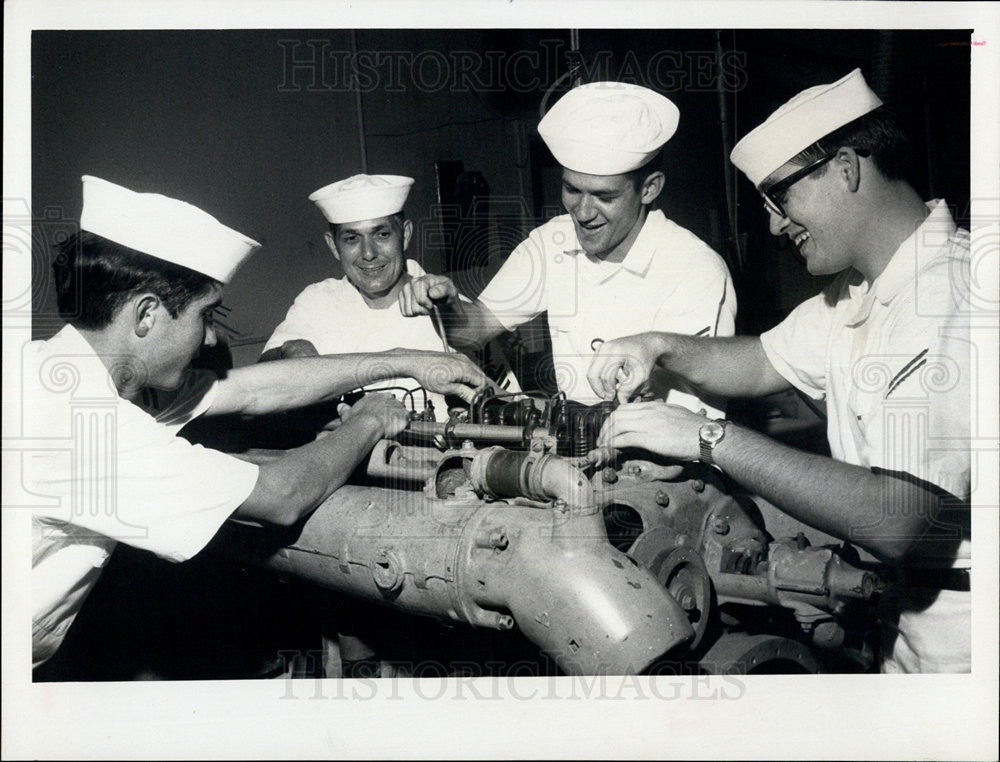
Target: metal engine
pixel 506 516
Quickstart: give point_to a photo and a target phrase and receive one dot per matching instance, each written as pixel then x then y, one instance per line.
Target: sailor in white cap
pixel 138 286
pixel 883 345
pixel 368 235
pixel 611 266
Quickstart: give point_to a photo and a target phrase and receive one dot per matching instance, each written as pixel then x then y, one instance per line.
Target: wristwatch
pixel 709 435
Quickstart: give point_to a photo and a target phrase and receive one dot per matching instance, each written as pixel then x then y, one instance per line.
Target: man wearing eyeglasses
pixel 886 344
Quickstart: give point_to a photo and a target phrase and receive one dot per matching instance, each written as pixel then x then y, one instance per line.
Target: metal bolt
pixel 504 621
pixel 386 569
pixel 698 485
pixel 829 634
pixel 609 475
pixel 468 445
pixel 662 498
pixel 498 539
pixel 721 526
pixel 560 505
pixel 688 602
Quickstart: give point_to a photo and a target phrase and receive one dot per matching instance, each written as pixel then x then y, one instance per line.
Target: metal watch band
pixel 706 447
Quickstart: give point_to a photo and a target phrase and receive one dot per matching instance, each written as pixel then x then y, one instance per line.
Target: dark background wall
pixel 245 124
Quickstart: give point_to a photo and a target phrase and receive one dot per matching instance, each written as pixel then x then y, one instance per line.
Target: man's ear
pixel 407 233
pixel 144 313
pixel 848 167
pixel 652 186
pixel 328 237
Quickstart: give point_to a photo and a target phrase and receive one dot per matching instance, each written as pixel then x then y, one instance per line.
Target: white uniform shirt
pixel 104 471
pixel 892 360
pixel 334 316
pixel 670 280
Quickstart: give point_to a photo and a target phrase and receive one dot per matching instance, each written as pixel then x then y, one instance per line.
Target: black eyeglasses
pixel 774 195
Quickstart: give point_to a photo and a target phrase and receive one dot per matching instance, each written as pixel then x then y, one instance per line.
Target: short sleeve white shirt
pixel 892 359
pixel 670 280
pixel 104 471
pixel 334 316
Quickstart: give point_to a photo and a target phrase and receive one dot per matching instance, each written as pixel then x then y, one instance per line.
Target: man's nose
pixel 777 224
pixel 368 250
pixel 584 209
pixel 211 338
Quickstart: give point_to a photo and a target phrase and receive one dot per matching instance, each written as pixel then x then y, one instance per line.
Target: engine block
pixel 507 516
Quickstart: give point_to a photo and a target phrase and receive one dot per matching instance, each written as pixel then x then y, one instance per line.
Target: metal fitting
pixel 498 539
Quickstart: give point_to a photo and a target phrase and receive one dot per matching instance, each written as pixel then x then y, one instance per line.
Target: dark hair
pixel 876 134
pixel 638 176
pixel 399 217
pixel 95 277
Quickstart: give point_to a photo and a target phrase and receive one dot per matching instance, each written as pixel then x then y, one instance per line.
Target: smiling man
pixel 138 286
pixel 369 235
pixel 611 266
pixel 886 344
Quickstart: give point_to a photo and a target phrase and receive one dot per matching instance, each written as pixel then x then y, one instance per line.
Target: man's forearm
pixel 883 514
pixel 733 366
pixel 290 486
pixel 270 387
pixel 469 324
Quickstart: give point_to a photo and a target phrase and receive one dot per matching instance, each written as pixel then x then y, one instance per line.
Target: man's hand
pixel 298 348
pixel 451 373
pixel 657 427
pixel 420 295
pixel 290 349
pixel 384 408
pixel 621 366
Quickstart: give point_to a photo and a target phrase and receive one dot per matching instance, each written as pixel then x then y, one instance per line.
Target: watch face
pixel 712 432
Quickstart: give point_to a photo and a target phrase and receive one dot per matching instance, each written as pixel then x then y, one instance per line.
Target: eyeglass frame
pixel 771 204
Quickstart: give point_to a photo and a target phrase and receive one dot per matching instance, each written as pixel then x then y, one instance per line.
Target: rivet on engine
pixel 721 526
pixel 662 498
pixel 609 475
pixel 468 445
pixel 498 539
pixel 698 485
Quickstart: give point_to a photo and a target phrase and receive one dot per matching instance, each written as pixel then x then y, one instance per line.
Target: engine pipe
pixel 802 579
pixel 493 432
pixel 491 564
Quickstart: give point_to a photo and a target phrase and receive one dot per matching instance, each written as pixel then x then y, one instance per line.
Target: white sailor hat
pixel 608 128
pixel 812 114
pixel 164 228
pixel 362 197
